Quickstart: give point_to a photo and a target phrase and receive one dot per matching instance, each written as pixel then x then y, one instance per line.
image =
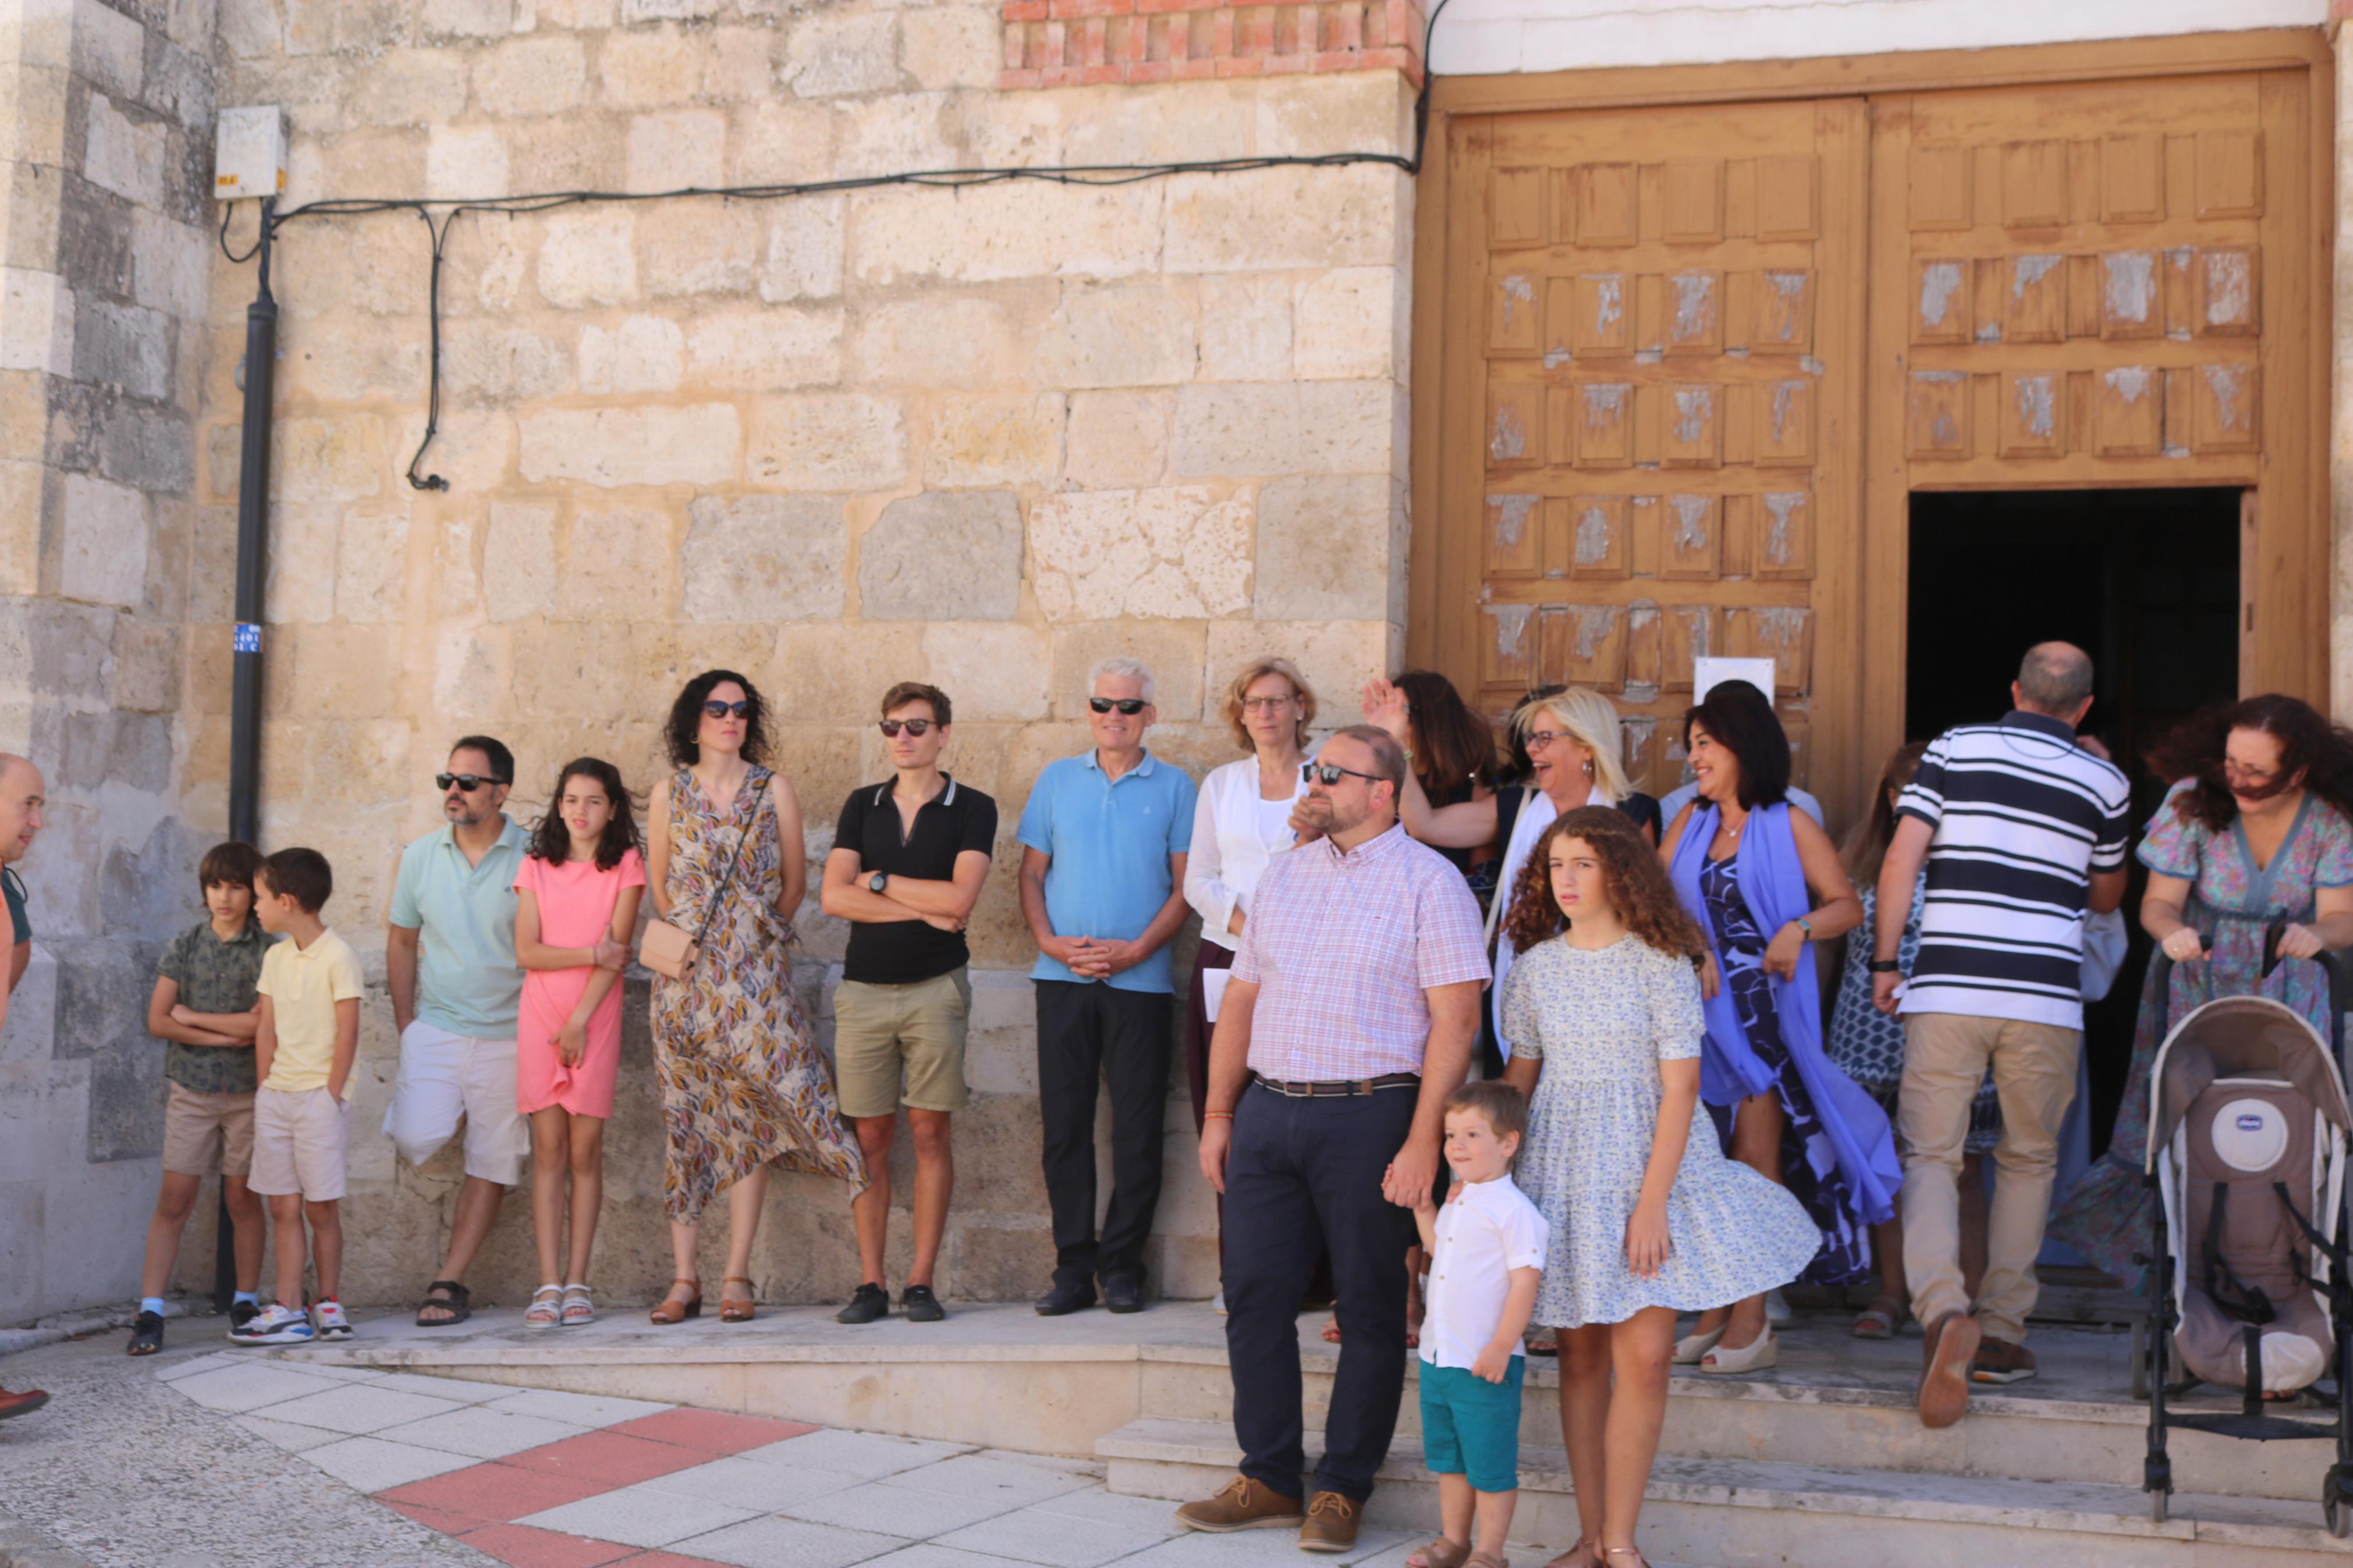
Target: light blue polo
pixel 467 981
pixel 1110 839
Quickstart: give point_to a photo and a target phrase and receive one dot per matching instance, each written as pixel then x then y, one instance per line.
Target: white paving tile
pixel 1144 1515
pixel 864 1455
pixel 773 1542
pixel 173 1368
pixel 250 1386
pixel 359 1407
pixel 746 1483
pixel 1058 1540
pixel 931 1554
pixel 288 1434
pixel 462 1390
pixel 579 1409
pixel 1197 1550
pixel 332 1370
pixel 480 1433
pixel 636 1516
pixel 371 1464
pixel 1010 1480
pixel 888 1508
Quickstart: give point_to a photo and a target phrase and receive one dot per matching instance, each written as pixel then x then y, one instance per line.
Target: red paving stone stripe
pixel 614 1458
pixel 495 1492
pixel 439 1519
pixel 711 1431
pixel 520 1546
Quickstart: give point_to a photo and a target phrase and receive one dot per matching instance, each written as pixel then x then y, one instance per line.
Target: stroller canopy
pixel 2240 1037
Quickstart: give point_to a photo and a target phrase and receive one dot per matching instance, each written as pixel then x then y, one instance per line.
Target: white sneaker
pixel 1217 1304
pixel 277 1325
pixel 328 1317
pixel 1777 1311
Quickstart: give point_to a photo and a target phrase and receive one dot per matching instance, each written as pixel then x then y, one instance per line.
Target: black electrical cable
pixel 236 259
pixel 952 179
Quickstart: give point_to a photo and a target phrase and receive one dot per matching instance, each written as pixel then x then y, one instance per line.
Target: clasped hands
pixel 1087 957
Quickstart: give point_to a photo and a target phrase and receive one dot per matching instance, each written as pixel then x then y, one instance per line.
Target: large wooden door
pixel 1660 382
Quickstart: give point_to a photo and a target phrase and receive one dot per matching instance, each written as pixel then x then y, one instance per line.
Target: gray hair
pixel 1124 666
pixel 2054 677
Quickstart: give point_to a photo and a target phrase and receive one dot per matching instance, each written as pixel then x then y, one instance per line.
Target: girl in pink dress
pixel 577 906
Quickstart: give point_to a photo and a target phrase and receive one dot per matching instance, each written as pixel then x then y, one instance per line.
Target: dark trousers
pixel 1303 1176
pixel 1089 1033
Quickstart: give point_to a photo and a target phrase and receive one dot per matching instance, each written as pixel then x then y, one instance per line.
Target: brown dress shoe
pixel 1999 1361
pixel 1245 1504
pixel 23 1404
pixel 1947 1349
pixel 1332 1523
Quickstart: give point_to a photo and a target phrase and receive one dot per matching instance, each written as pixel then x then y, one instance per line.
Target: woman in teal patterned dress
pixel 2258 830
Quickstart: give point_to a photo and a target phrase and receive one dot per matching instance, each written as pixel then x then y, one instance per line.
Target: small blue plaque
pixel 247 637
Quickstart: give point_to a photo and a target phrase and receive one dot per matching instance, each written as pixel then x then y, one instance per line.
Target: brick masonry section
pixel 1075 43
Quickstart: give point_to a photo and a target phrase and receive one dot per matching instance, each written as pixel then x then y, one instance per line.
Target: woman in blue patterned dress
pixel 1766 884
pixel 1648 1216
pixel 2258 830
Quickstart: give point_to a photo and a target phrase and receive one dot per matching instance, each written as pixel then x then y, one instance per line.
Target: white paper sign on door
pixel 1707 672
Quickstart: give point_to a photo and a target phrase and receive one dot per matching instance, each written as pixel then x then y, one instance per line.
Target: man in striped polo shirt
pixel 2021 831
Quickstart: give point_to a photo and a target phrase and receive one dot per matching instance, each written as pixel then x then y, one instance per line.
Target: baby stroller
pixel 2249 1286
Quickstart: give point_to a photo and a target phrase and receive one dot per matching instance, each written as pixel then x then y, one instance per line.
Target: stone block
pixel 476 447
pixel 1173 649
pixel 617 563
pixel 465 163
pixel 408 87
pixel 718 250
pixel 123 345
pixel 103 990
pixel 249 29
pixel 742 64
pixel 577 150
pixel 37 321
pixel 1287 217
pixel 893 131
pixel 1350 323
pixel 1353 427
pixel 812 683
pixel 990 439
pixel 951 46
pixel 1336 657
pixel 766 349
pixel 1118 438
pixel 346 363
pixel 1347 111
pixel 1180 552
pixel 652 69
pixel 832 57
pixel 146 666
pixel 1140 336
pixel 643 353
pixel 494 360
pixel 932 340
pixel 123 155
pixel 353 767
pixel 942 551
pixel 636 11
pixel 644 445
pixel 990 233
pixel 678 150
pixel 585 15
pixel 1237 430
pixel 818 442
pixel 1246 327
pixel 109 49
pixel 546 74
pixel 353 672
pixel 105 542
pixel 372 561
pixel 519 560
pixel 586 258
pixel 152 448
pixel 469 18
pixel 453 583
pixel 336 459
pixel 990 669
pixel 757 559
pixel 804 250
pixel 1331 549
pixel 780 141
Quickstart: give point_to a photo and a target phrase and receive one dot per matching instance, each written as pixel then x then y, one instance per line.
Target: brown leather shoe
pixel 23 1404
pixel 1332 1523
pixel 1998 1362
pixel 1245 1504
pixel 1947 1348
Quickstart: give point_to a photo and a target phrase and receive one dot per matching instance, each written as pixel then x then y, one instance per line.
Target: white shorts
pixel 446 1079
pixel 300 1137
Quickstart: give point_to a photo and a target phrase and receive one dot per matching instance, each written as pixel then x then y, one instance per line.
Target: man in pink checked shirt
pixel 1352 1013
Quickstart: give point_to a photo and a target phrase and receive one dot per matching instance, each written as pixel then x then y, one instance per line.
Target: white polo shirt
pixel 1488 1229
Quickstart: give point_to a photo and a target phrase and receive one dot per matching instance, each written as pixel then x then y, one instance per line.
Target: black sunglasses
pixel 1130 705
pixel 721 709
pixel 469 782
pixel 1332 774
pixel 916 727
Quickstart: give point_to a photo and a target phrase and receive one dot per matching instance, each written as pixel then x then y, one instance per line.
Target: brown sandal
pixel 667 1311
pixel 1439 1552
pixel 1584 1555
pixel 730 1310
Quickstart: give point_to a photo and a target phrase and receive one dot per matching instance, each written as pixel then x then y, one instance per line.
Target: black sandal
pixel 450 1296
pixel 146 1335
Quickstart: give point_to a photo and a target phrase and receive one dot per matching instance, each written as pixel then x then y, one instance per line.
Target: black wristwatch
pixel 875 884
pixel 1885 967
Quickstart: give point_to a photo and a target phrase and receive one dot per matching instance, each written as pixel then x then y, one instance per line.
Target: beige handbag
pixel 665 946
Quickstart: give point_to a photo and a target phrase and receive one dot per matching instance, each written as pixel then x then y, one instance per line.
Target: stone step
pixel 1748 1513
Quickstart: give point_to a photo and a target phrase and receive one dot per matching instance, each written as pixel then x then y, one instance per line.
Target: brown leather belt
pixel 1342 1088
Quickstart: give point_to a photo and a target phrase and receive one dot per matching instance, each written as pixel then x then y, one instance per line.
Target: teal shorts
pixel 1471 1426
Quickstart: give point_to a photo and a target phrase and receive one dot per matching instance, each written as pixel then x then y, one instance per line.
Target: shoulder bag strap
pixel 710 910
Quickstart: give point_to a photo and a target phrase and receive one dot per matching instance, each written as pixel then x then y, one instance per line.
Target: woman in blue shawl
pixel 1765 884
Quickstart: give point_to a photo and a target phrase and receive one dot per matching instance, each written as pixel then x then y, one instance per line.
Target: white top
pixel 1235 833
pixel 1485 1231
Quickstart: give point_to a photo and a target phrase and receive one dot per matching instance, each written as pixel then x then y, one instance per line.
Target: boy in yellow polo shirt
pixel 308 1039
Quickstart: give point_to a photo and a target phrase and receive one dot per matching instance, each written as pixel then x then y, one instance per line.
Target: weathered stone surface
pixel 718 253
pixel 617 563
pixel 1102 554
pixel 1286 217
pixel 641 444
pixel 1350 323
pixel 1287 427
pixel 644 354
pixel 762 349
pixel 942 552
pixel 519 560
pixel 828 56
pixel 992 439
pixel 1118 337
pixel 990 669
pixel 586 257
pixel 678 150
pixel 935 341
pixel 122 345
pixel 1331 549
pixel 105 559
pixel 993 231
pixel 1117 438
pixel 1246 327
pixel 804 250
pixel 952 45
pixel 1337 656
pixel 541 75
pixel 465 162
pixel 849 442
pixel 757 559
pixel 1174 650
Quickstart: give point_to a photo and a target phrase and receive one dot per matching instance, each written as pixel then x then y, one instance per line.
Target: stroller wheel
pixel 2340 1520
pixel 2157 1507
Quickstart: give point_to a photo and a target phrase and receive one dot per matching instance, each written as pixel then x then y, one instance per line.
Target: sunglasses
pixel 721 709
pixel 469 782
pixel 1332 774
pixel 915 727
pixel 1128 705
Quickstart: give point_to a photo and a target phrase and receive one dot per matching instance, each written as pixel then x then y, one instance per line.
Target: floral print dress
pixel 743 1081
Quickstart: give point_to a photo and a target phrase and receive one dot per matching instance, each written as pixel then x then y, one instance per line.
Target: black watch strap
pixel 1885 967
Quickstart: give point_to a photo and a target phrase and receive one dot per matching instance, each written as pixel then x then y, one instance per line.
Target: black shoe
pixel 1122 1292
pixel 147 1334
pixel 868 1302
pixel 243 1313
pixel 1067 1296
pixel 920 1305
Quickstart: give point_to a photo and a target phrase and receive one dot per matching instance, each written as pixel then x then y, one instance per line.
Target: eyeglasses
pixel 2232 770
pixel 469 782
pixel 1128 705
pixel 1332 774
pixel 1542 739
pixel 915 727
pixel 721 709
pixel 1267 704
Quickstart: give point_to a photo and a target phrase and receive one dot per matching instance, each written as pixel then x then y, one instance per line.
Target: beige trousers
pixel 1946 1055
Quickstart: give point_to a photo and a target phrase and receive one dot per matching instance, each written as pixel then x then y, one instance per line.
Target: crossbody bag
pixel 666 946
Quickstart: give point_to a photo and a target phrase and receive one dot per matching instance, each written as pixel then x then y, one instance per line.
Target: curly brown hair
pixel 2314 753
pixel 1631 878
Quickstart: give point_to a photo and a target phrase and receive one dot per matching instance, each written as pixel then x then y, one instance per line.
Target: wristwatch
pixel 1807 927
pixel 874 883
pixel 1884 966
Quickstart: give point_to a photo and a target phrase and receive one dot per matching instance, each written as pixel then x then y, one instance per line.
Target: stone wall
pixel 980 438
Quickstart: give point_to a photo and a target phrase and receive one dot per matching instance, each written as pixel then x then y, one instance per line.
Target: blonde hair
pixel 1241 683
pixel 1591 720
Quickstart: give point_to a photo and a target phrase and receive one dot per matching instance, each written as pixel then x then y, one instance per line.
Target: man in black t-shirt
pixel 909 858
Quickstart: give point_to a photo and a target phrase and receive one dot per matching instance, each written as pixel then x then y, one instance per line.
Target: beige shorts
pixel 447 1081
pixel 298 1141
pixel 881 1033
pixel 206 1134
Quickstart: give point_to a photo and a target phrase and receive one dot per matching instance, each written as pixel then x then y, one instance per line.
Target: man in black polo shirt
pixel 908 861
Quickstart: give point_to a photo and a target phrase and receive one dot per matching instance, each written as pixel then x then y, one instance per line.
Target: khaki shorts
pixel 880 1031
pixel 299 1140
pixel 208 1135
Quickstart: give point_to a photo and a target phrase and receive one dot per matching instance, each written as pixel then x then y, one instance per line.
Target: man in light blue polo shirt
pixel 1103 887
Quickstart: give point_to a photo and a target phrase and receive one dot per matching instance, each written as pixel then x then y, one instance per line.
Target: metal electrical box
pixel 249 153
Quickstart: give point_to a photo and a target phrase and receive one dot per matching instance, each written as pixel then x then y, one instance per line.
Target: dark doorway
pixel 2145 580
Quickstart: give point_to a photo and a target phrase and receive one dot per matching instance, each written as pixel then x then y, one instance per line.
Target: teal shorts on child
pixel 1471 1427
